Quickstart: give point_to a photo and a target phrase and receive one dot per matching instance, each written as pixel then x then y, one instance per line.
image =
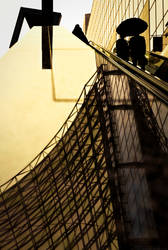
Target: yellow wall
pixel 35 102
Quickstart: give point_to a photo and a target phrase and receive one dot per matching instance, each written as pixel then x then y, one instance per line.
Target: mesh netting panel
pixel 99 183
pixel 64 202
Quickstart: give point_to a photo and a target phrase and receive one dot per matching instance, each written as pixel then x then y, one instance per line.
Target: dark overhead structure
pixel 45 18
pixel 34 18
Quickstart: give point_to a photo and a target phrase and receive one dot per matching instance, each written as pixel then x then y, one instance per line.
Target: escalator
pixel 141 166
pixel 153 78
pixel 157 65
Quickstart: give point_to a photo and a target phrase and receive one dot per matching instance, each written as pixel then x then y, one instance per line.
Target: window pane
pixel 151 2
pixel 140 7
pixel 165 7
pixel 160 29
pixel 131 9
pixel 135 5
pixel 159 11
pixel 152 20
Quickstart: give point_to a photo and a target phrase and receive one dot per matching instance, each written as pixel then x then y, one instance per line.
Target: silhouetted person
pixel 137 48
pixel 77 31
pixel 122 48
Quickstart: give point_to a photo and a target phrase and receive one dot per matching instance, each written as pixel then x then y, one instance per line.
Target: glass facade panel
pixel 135 5
pixel 159 13
pixel 126 3
pixel 166 17
pixel 131 10
pixel 165 3
pixel 112 13
pixel 140 6
pixel 151 2
pixel 152 20
pixel 160 29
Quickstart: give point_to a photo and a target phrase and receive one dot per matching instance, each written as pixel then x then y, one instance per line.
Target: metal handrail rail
pixel 156 86
pixel 158 56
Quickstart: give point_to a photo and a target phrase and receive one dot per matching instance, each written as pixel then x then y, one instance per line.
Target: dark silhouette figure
pixel 122 48
pixel 137 48
pixel 77 31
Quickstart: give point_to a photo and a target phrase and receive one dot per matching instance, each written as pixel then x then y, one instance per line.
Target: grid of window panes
pixel 158 17
pixel 106 15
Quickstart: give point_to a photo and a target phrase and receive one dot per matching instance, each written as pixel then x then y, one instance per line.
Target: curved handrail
pixel 156 86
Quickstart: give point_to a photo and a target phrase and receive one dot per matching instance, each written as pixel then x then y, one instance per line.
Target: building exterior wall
pixel 86 22
pixel 158 19
pixel 106 15
pixel 36 102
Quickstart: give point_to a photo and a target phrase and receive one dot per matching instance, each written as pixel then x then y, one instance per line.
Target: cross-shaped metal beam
pixel 45 18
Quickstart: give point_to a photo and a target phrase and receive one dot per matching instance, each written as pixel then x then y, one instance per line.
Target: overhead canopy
pixel 131 27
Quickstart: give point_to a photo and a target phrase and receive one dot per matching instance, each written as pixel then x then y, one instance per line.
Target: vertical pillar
pixel 47 32
pixel 47 9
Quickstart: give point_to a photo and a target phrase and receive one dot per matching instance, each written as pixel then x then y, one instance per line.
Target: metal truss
pixel 91 188
pixel 62 200
pixel 139 127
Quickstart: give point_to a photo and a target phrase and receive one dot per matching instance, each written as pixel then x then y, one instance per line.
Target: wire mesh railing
pixel 94 185
pixel 63 201
pixel 140 122
pixel 55 138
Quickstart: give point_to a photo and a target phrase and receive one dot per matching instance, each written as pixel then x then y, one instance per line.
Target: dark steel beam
pixel 34 18
pixel 45 17
pixel 47 6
